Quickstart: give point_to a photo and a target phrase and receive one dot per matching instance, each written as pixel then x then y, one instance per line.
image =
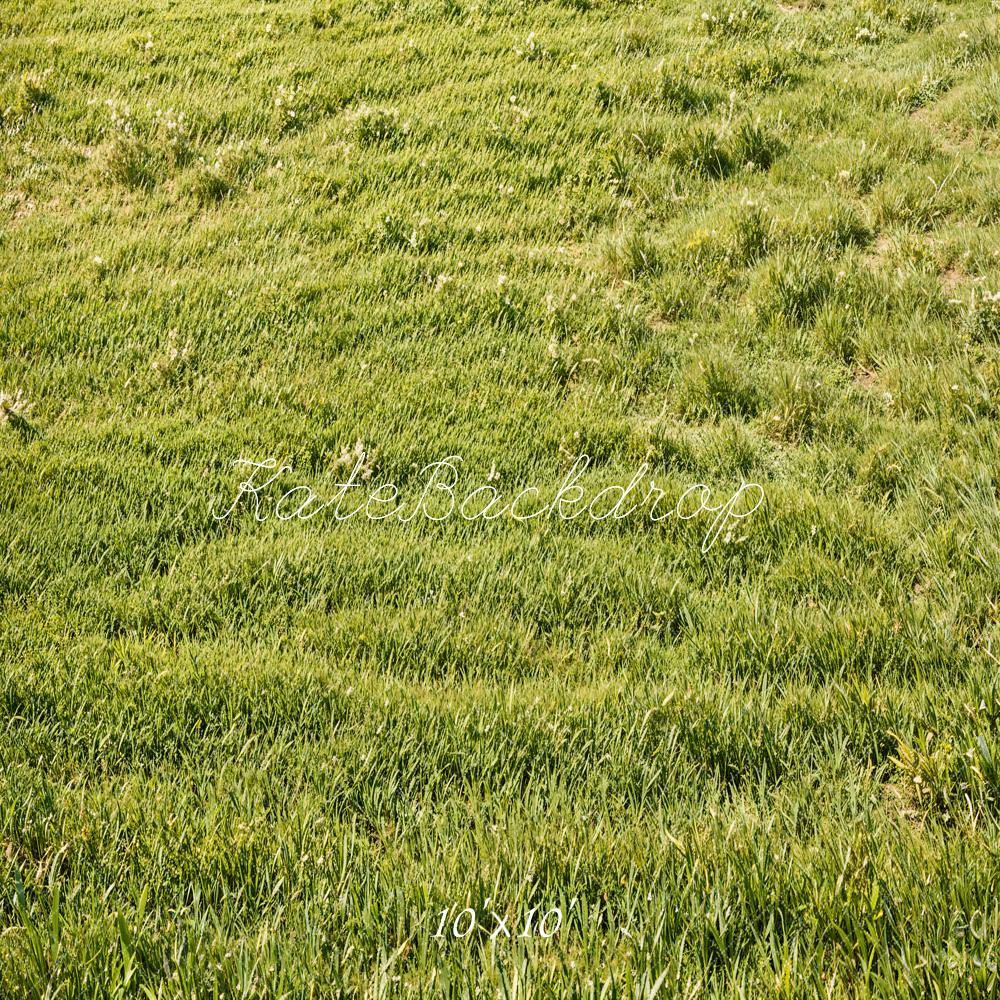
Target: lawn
pixel 263 265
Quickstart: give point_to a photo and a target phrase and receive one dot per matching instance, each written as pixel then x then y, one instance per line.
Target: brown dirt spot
pixel 952 277
pixel 880 250
pixel 865 378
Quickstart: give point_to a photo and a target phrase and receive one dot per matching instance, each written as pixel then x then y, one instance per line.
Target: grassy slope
pixel 263 758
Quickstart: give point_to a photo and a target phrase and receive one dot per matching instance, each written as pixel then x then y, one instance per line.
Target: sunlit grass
pixel 738 241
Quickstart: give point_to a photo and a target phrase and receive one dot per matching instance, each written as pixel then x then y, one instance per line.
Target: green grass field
pixel 738 241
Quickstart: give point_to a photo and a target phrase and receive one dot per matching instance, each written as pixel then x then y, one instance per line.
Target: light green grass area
pixel 735 240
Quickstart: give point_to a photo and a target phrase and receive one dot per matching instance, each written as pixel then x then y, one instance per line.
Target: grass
pixel 737 241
